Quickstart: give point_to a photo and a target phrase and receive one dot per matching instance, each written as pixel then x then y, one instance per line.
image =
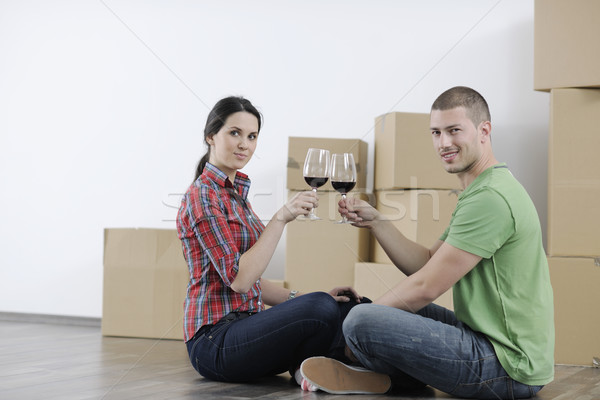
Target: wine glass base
pixel 308 218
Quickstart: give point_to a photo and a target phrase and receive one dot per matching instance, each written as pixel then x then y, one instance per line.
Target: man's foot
pixel 335 377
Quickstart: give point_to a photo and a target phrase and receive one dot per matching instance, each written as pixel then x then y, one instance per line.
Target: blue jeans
pixel 432 348
pixel 242 348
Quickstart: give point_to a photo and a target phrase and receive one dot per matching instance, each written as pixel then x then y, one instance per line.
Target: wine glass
pixel 343 176
pixel 316 172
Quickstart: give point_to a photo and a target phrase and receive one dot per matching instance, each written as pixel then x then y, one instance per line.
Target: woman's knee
pixel 320 305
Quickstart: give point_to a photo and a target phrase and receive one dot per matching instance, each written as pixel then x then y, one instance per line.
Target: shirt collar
pixel 241 182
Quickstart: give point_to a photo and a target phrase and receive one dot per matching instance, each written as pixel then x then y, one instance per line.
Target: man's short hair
pixel 461 96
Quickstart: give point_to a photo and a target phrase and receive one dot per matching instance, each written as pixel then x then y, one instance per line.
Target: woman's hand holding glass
pixel 298 206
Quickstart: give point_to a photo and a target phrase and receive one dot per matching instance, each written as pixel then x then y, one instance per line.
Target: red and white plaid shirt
pixel 216 225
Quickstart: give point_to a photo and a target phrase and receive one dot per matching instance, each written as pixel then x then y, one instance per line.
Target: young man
pixel 499 342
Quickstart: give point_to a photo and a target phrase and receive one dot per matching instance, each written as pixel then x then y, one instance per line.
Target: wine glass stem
pixel 344 219
pixel 312 211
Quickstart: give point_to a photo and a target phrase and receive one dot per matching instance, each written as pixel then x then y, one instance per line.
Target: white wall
pixel 102 106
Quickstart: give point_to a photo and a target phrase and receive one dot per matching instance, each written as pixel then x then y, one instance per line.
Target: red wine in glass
pixel 316 172
pixel 343 187
pixel 343 175
pixel 315 182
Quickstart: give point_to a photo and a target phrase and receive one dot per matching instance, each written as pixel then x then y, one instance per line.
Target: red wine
pixel 314 182
pixel 343 187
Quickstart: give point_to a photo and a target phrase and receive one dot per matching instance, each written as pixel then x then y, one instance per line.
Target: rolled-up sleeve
pixel 215 232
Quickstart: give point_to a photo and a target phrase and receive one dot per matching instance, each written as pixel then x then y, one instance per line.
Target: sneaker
pixel 335 377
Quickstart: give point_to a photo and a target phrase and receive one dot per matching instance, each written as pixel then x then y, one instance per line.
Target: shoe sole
pixel 335 377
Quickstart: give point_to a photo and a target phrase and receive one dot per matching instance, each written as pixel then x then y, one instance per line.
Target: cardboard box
pixel 320 255
pixel 566 44
pixel 404 154
pixel 574 173
pixel 298 147
pixel 145 283
pixel 375 279
pixel 577 321
pixel 421 215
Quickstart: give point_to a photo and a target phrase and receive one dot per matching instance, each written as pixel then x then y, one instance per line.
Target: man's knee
pixel 358 316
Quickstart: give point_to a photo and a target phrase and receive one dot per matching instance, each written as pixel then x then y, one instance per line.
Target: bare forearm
pixel 274 294
pixel 407 255
pixel 252 263
pixel 409 295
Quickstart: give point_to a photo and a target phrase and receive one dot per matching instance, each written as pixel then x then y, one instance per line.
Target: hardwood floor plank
pixel 64 362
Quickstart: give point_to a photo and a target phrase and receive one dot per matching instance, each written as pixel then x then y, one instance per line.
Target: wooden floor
pixel 58 361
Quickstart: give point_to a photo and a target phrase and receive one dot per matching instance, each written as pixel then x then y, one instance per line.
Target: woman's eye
pixel 252 136
pixel 234 133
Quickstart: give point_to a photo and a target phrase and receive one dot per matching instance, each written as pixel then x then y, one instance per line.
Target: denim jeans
pixel 432 348
pixel 242 348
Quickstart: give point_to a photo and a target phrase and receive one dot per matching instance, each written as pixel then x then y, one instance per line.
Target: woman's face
pixel 232 147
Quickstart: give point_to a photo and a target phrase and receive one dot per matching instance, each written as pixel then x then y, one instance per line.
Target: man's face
pixel 455 139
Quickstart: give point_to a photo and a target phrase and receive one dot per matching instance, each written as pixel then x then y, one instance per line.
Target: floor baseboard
pixel 50 319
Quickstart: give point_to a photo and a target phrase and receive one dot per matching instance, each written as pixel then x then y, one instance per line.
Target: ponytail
pixel 201 164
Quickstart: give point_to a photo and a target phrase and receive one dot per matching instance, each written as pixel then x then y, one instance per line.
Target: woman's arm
pixel 274 294
pixel 253 262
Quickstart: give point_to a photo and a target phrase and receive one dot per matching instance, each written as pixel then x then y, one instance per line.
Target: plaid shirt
pixel 216 226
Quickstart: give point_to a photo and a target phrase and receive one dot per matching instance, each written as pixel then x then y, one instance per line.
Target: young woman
pixel 229 334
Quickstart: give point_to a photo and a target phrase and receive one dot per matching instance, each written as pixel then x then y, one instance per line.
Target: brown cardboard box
pixel 404 154
pixel 320 255
pixel 577 321
pixel 298 147
pixel 566 44
pixel 574 173
pixel 145 281
pixel 373 280
pixel 421 215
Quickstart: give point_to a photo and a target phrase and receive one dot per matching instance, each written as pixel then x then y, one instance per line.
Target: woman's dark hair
pixel 217 117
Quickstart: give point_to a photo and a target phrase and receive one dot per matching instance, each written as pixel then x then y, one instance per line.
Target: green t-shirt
pixel 507 296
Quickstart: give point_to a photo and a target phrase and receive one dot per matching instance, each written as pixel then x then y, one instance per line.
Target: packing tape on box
pixel 292 163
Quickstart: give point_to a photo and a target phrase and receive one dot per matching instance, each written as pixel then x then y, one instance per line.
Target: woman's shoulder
pixel 202 190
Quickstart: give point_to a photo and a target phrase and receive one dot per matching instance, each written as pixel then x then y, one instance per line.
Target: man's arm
pixel 443 270
pixel 405 254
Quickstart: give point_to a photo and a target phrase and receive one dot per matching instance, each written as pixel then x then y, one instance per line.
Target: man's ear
pixel 486 131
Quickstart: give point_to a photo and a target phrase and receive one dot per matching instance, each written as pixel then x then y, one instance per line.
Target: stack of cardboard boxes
pixel 567 64
pixel 412 190
pixel 321 254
